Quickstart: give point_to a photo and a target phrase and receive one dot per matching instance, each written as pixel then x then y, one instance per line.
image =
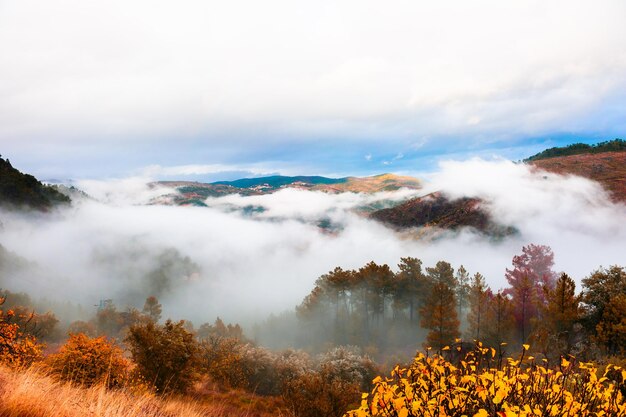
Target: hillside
pixel 437 210
pixel 607 168
pixel 615 145
pixel 194 193
pixel 19 190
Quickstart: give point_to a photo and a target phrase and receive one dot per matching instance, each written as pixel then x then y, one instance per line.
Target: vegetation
pixel 23 190
pixel 485 384
pixel 350 318
pixel 615 145
pixel 86 361
pixel 166 355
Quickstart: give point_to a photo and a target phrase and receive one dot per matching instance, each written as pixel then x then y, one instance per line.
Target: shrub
pixel 480 388
pixel 167 356
pixel 331 389
pixel 88 362
pixel 16 348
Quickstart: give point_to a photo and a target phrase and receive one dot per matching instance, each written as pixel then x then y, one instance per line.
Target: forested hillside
pixel 20 190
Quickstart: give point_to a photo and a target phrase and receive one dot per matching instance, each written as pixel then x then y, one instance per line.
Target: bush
pixel 479 387
pixel 88 362
pixel 331 389
pixel 16 348
pixel 167 356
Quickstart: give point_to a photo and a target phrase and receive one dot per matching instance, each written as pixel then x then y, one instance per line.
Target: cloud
pixel 242 74
pixel 241 265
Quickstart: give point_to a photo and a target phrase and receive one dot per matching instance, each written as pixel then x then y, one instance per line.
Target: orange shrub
pixel 88 362
pixel 16 349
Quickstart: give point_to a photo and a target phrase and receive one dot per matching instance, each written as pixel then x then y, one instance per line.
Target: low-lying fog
pixel 241 265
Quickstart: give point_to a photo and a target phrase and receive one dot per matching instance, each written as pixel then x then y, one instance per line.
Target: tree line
pixel 437 305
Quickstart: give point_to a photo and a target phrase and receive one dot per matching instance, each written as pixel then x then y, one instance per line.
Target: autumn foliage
pixel 89 361
pixel 484 384
pixel 16 348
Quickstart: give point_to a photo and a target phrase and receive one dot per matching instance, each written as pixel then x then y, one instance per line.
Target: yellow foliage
pixel 477 387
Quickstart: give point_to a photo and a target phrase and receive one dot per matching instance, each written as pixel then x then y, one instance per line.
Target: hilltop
pixel 615 145
pixel 194 193
pixel 437 210
pixel 604 162
pixel 19 190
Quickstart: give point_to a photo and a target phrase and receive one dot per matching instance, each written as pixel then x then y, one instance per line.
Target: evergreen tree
pixel 555 333
pixel 438 315
pixel 478 298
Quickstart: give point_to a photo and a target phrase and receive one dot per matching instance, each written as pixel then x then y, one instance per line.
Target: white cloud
pixel 223 71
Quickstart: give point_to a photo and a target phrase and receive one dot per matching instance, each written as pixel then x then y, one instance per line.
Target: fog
pixel 242 265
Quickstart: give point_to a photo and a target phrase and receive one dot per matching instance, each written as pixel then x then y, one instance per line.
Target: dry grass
pixel 28 393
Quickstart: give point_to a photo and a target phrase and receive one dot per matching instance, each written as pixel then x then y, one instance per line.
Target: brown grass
pixel 28 393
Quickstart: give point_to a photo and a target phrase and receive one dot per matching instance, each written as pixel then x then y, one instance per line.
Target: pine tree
pixel 478 297
pixel 500 318
pixel 411 286
pixel 555 332
pixel 438 315
pixel 462 290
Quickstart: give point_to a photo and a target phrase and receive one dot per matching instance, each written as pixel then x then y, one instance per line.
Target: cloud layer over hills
pixel 224 260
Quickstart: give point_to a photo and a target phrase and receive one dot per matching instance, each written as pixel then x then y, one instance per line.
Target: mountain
pixel 437 210
pixel 19 190
pixel 604 163
pixel 194 193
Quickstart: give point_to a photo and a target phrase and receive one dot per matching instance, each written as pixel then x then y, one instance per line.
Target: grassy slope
pixel 28 393
pixel 608 168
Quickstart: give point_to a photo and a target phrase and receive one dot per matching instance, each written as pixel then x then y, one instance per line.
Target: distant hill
pixel 604 163
pixel 194 193
pixel 19 190
pixel 277 181
pixel 615 145
pixel 437 210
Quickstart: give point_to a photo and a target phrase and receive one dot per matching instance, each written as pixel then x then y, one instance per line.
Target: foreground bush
pixel 166 355
pixel 88 362
pixel 483 385
pixel 16 348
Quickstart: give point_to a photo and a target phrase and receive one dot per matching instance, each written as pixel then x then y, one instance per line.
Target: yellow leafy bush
pixel 89 361
pixel 484 385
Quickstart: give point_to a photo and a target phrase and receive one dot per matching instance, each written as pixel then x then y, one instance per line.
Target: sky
pixel 209 90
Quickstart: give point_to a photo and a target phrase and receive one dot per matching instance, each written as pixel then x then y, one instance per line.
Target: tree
pixel 532 271
pixel 166 355
pixel 438 315
pixel 598 289
pixel 152 308
pixel 555 333
pixel 411 285
pixel 478 297
pixel 442 273
pixel 612 327
pixel 462 289
pixel 500 318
